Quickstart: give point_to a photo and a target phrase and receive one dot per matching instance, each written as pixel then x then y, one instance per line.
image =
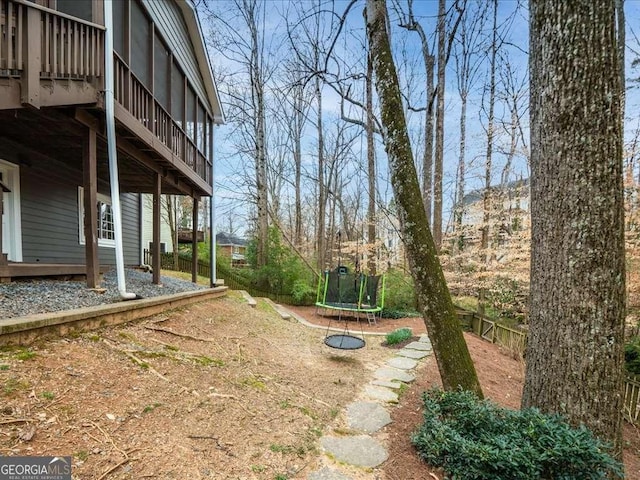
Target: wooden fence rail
pixel 515 341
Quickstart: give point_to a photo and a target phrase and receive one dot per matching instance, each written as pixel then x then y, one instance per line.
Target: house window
pixel 177 95
pixel 105 222
pixel 120 28
pixel 162 59
pixel 77 8
pixel 191 114
pixel 140 44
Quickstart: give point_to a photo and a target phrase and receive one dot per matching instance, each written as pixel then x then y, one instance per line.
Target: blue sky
pixel 232 198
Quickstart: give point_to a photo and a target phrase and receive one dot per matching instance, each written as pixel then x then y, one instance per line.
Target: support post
pixel 155 253
pixel 32 63
pixel 90 180
pixel 194 242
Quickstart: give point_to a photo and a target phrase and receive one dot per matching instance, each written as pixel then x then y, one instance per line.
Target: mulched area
pixel 324 318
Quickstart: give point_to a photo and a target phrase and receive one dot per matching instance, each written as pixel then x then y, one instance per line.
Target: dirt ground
pixel 216 390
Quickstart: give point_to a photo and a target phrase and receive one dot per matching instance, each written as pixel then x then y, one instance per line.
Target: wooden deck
pixel 11 270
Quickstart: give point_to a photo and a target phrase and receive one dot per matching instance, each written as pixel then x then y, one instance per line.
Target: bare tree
pixel 239 35
pixel 468 57
pixel 486 200
pixel 409 22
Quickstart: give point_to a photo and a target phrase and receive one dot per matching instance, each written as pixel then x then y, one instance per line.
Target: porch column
pixel 4 270
pixel 90 180
pixel 194 242
pixel 155 254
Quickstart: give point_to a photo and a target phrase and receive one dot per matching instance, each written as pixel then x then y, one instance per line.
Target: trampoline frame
pixel 346 341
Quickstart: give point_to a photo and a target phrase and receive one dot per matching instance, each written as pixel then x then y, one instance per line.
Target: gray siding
pixel 50 219
pixel 131 228
pixel 168 19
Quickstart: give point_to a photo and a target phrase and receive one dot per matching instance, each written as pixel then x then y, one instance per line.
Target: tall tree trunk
pixel 575 345
pixel 257 93
pixel 437 176
pixel 621 46
pixel 427 154
pixel 459 205
pixel 322 192
pixel 371 166
pixel 434 299
pixel 486 202
pixel 297 238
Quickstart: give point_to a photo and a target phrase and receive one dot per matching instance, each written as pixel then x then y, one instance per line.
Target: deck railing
pixel 11 20
pixel 70 48
pixel 38 43
pixel 131 93
pixel 33 37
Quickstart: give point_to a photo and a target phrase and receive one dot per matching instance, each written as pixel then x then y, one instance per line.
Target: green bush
pixel 632 356
pixel 505 296
pixel 284 273
pixel 302 293
pixel 400 294
pixel 399 335
pixel 478 440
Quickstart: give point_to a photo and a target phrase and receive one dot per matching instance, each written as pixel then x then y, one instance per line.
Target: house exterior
pixel 232 247
pixel 166 240
pixel 509 210
pixel 53 148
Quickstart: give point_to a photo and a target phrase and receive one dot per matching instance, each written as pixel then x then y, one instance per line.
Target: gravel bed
pixel 43 296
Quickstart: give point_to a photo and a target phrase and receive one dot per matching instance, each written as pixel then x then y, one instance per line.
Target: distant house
pixel 232 247
pixel 58 214
pixel 166 241
pixel 509 209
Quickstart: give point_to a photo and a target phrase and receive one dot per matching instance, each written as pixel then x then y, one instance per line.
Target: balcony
pixel 50 59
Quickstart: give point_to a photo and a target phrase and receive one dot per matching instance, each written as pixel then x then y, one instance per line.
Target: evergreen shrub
pixel 474 439
pixel 632 355
pixel 284 272
pixel 399 335
pixel 400 294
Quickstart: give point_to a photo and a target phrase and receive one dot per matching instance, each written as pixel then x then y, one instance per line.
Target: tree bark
pixel 322 196
pixel 257 97
pixel 486 203
pixel 434 300
pixel 371 167
pixel 439 158
pixel 575 345
pixel 459 204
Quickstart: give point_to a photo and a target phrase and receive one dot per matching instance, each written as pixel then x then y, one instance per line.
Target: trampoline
pixel 350 294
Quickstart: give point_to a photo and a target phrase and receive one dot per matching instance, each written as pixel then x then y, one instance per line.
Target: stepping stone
pixel 403 363
pixel 327 474
pixel 367 417
pixel 386 373
pixel 386 383
pixel 381 393
pixel 423 346
pixel 425 339
pixel 359 450
pixel 415 354
pixel 250 300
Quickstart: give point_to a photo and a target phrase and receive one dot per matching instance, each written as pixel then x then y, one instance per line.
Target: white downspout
pixel 212 220
pixel 111 148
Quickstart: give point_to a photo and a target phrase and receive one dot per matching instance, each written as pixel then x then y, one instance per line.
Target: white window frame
pixel 105 199
pixel 12 211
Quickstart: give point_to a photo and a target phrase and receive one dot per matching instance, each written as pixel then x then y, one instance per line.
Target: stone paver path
pixel 360 448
